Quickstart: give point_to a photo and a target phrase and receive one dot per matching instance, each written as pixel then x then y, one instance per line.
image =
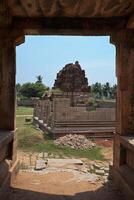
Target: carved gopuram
pixel 114 18
pixel 72 79
pixel 67 111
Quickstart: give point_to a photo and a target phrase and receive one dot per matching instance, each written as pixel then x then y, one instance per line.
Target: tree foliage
pixel 39 79
pixel 28 90
pixel 100 91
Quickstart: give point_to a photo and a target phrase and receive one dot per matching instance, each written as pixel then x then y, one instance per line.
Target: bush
pixel 29 90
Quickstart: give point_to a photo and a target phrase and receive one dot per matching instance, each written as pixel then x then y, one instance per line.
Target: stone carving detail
pixel 71 8
pixel 72 79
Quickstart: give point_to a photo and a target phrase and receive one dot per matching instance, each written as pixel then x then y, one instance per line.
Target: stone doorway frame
pixel 124 42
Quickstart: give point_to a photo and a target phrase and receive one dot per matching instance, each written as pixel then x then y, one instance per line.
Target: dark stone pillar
pixel 123 159
pixel 124 43
pixel 7 84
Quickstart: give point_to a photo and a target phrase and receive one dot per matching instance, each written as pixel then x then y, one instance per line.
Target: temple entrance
pixel 37 151
pixel 81 18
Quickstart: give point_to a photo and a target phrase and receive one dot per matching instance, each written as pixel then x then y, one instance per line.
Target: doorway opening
pixel 91 117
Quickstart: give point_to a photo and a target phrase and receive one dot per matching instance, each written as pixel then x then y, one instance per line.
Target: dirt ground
pixel 29 158
pixel 60 186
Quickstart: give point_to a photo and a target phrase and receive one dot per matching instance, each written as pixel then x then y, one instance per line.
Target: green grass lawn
pixel 32 140
pixel 21 110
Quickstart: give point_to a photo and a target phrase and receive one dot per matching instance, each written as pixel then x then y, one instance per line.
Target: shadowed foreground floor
pixel 60 186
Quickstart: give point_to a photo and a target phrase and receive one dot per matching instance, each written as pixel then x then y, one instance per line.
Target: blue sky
pixel 46 55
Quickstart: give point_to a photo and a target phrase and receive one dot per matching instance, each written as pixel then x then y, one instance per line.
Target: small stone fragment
pixel 100 172
pixel 40 164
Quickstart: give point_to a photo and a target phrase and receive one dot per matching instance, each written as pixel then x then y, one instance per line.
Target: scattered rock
pixel 57 156
pixel 51 155
pixel 100 172
pixel 41 155
pixel 91 167
pixel 75 141
pixel 96 166
pixel 40 164
pixel 106 174
pixel 45 155
pixel 106 169
pixel 84 169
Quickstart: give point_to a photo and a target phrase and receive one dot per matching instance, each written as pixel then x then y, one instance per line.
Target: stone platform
pixel 91 129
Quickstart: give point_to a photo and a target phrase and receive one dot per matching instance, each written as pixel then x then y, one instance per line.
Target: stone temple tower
pixel 72 79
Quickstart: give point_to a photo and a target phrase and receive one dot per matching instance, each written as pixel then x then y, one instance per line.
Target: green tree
pixel 18 88
pixel 39 79
pixel 96 90
pixel 106 90
pixel 113 92
pixel 33 89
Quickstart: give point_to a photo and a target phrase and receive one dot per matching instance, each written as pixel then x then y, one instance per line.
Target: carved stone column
pixel 124 42
pixel 123 151
pixel 7 84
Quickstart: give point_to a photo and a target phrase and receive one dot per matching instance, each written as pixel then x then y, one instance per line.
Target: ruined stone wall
pixel 43 111
pixel 60 110
pixel 64 112
pixel 25 102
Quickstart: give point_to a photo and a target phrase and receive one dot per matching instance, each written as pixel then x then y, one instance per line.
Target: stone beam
pixel 69 26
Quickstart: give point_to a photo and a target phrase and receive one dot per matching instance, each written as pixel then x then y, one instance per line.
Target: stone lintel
pixel 69 26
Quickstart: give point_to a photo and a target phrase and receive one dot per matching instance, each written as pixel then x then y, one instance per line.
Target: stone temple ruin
pixel 72 79
pixel 113 18
pixel 67 111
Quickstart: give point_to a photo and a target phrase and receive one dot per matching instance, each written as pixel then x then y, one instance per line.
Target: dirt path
pixel 59 186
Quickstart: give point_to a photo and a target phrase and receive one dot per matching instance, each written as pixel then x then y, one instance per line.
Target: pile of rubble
pixel 75 141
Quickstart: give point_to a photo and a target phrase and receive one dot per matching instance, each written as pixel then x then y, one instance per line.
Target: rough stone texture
pixel 75 142
pixel 7 85
pixel 63 111
pixel 123 164
pixel 72 79
pixel 40 164
pixel 56 115
pixel 83 8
